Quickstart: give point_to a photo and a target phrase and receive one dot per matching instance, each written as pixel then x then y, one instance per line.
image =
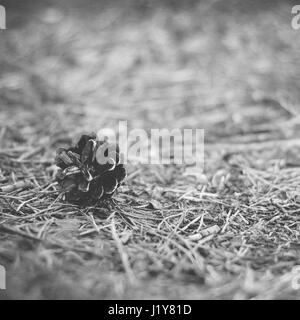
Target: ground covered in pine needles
pixel 230 233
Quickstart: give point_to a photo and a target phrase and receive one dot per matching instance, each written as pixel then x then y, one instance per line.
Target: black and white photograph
pixel 149 151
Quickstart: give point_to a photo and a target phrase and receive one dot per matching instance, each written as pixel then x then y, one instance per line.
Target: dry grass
pixel 231 234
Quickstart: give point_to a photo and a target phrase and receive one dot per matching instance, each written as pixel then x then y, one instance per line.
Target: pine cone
pixel 90 171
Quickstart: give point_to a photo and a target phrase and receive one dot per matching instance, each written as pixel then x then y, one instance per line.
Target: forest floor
pixel 170 232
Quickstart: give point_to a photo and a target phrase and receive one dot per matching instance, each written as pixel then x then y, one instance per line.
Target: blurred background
pixel 226 66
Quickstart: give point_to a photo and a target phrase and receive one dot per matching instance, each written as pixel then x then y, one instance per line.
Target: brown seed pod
pixel 90 171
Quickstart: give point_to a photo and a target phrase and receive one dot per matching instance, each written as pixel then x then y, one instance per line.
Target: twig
pixel 16 186
pixel 123 254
